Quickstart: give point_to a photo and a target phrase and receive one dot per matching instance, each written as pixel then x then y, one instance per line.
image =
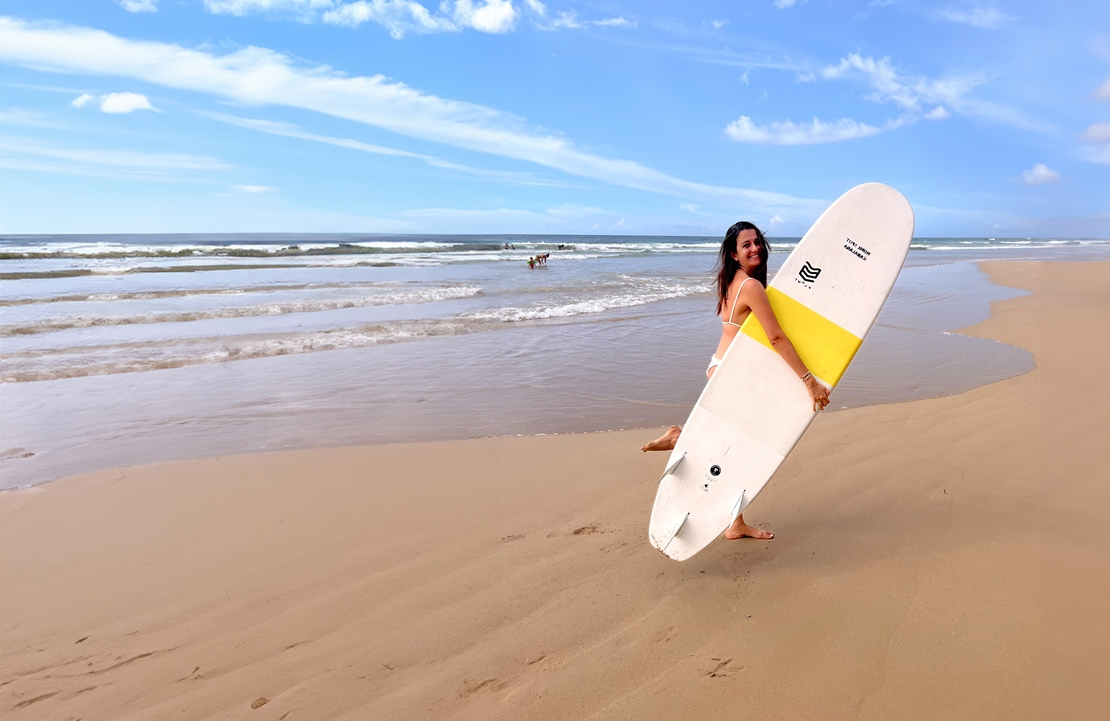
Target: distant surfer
pixel 743 258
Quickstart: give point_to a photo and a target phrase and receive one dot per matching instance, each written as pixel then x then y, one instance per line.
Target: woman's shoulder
pixel 740 282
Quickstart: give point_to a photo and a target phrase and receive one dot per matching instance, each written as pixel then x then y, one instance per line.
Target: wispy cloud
pixel 240 8
pixel 116 103
pixel 781 4
pixel 139 6
pixel 1039 174
pixel 254 189
pixel 469 213
pixel 986 18
pixel 1097 133
pixel 289 130
pixel 786 132
pixel 26 154
pixel 1098 138
pixel 29 118
pixel 116 158
pixel 618 22
pixel 568 20
pixel 258 76
pixel 1103 93
pixel 912 93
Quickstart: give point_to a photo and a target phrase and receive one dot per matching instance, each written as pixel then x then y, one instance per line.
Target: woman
pixel 744 258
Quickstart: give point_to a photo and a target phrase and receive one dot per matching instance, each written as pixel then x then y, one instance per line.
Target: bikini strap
pixel 732 313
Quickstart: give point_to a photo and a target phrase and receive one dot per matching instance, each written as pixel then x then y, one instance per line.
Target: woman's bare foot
pixel 664 442
pixel 739 529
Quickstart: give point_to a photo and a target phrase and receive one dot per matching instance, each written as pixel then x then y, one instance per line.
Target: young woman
pixel 743 259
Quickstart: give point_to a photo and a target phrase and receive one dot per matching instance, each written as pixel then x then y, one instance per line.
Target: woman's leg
pixel 739 529
pixel 664 442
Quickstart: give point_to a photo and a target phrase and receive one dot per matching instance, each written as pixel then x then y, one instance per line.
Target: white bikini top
pixel 732 313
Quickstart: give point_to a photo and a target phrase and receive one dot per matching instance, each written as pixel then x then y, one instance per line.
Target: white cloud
pixel 619 22
pixel 785 3
pixel 258 76
pixel 743 130
pixel 986 18
pixel 938 113
pixel 1097 133
pixel 139 6
pixel 254 189
pixel 120 103
pixel 490 16
pixel 718 24
pixel 396 16
pixel 1039 174
pixel 116 103
pixel 692 208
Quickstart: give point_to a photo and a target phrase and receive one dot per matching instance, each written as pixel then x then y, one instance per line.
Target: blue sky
pixel 521 116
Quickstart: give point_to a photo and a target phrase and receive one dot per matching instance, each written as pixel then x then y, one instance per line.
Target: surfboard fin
pixel 677 528
pixel 739 505
pixel 670 468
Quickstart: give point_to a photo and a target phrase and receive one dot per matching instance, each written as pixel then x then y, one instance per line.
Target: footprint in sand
pixel 472 687
pixel 666 634
pixel 721 670
pixel 587 530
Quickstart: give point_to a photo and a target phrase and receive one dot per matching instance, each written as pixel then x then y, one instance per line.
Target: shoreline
pixel 511 577
pixel 318 401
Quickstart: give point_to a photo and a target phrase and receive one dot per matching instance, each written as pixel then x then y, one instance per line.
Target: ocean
pixel 118 350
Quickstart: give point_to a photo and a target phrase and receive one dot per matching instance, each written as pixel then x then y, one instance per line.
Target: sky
pixel 562 116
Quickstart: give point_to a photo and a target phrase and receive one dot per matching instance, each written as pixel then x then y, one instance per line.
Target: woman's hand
pixel 818 393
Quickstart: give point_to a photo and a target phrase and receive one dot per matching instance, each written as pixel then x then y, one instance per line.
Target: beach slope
pixel 946 558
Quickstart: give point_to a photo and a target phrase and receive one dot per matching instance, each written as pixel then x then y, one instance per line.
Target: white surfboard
pixel 754 410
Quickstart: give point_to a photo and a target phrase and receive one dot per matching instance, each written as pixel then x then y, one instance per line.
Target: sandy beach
pixel 942 558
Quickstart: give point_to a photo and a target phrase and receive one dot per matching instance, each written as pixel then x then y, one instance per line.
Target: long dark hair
pixel 727 266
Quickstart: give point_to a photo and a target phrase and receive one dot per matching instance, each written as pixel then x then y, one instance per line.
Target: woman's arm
pixel 754 295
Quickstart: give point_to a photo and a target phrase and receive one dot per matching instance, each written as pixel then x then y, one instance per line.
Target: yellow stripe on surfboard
pixel 824 347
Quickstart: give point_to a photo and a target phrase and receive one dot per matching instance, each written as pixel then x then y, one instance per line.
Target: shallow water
pixel 118 367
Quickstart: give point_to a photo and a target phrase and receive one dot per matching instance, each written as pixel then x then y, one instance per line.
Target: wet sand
pixel 943 558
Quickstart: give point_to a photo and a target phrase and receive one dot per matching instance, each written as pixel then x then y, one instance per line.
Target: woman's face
pixel 748 248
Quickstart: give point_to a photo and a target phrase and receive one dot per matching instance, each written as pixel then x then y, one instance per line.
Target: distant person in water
pixel 531 262
pixel 743 258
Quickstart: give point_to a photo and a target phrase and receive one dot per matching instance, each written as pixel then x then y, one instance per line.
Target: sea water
pixel 117 350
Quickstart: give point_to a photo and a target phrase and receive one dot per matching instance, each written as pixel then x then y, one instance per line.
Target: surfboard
pixel 754 409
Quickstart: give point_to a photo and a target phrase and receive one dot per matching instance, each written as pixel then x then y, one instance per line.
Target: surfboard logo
pixel 809 272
